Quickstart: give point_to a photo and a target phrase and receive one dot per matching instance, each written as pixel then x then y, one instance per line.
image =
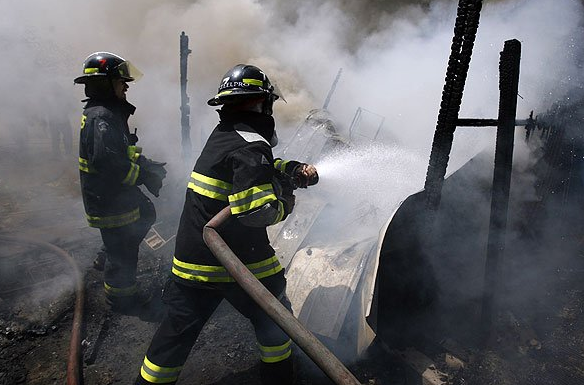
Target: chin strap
pixel 274 139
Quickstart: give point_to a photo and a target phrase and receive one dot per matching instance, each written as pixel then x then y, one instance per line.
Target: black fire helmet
pixel 101 64
pixel 243 81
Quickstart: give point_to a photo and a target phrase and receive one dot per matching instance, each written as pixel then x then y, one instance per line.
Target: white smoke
pixel 394 58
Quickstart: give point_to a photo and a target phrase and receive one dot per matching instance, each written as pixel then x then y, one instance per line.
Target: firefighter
pixel 236 168
pixel 111 169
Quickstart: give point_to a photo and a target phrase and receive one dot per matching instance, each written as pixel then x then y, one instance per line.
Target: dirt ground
pixel 539 343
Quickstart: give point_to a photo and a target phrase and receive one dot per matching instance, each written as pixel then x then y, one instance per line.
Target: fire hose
pixel 323 357
pixel 74 373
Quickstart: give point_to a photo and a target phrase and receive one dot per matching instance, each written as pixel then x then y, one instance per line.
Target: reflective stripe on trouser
pixel 251 198
pixel 121 246
pixel 189 308
pixel 209 187
pixel 208 273
pixel 112 221
pixel 119 292
pixel 159 374
pixel 273 354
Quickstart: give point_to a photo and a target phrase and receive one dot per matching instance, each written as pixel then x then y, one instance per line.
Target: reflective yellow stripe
pixel 280 213
pixel 251 198
pixel 254 82
pixel 280 165
pixel 265 268
pixel 134 153
pixel 91 70
pixel 85 167
pixel 158 374
pixel 83 119
pixel 272 354
pixel 209 187
pixel 119 291
pixel 211 181
pixel 209 273
pixel 114 220
pixel 132 175
pixel 224 93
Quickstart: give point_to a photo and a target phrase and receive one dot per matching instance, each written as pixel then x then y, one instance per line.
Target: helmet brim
pixel 232 96
pixel 85 78
pixel 125 71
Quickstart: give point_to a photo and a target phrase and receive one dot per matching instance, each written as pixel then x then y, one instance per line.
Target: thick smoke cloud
pixel 393 55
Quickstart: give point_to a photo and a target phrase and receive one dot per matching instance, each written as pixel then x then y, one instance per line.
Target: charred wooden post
pixel 471 122
pixel 508 87
pixel 465 30
pixel 185 109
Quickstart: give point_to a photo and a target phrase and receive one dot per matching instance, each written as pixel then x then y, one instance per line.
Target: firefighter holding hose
pixel 237 169
pixel 111 169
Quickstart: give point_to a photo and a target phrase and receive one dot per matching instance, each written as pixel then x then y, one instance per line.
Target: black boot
pixel 144 304
pixel 280 373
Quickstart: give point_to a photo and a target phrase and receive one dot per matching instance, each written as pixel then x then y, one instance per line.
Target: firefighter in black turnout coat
pixel 111 168
pixel 236 169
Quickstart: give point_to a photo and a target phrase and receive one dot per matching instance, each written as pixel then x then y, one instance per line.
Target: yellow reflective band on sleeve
pixel 273 354
pixel 254 82
pixel 209 187
pixel 134 153
pixel 119 291
pixel 90 70
pixel 281 213
pixel 159 374
pixel 132 175
pixel 280 165
pixel 85 167
pixel 83 120
pixel 114 220
pixel 209 273
pixel 251 198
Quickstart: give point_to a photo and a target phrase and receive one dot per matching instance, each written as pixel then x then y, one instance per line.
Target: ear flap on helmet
pixel 268 104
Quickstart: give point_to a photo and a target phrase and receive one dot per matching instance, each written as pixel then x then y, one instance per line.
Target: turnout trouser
pixel 189 308
pixel 122 245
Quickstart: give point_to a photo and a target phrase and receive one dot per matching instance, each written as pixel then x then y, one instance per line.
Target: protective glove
pixel 305 175
pixel 151 174
pixel 153 184
pixel 157 168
